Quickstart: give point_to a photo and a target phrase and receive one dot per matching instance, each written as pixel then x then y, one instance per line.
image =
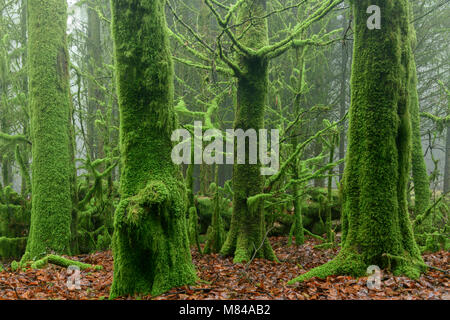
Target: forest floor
pixel 221 279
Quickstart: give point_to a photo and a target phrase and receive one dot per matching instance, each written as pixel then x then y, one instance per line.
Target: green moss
pixel 49 103
pixel 103 241
pixel 155 194
pixel 12 247
pixel 14 213
pixel 205 210
pixel 15 266
pixel 348 263
pixel 375 221
pixel 216 231
pixel 436 241
pixel 432 244
pixel 62 262
pixel 150 241
pixel 192 225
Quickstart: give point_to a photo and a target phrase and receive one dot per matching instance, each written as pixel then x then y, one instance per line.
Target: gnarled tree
pixel 247 235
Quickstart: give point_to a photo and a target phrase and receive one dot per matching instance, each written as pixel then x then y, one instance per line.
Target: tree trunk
pixel 343 100
pixel 375 222
pixel 421 181
pixel 247 229
pixel 297 226
pixel 95 96
pixel 49 101
pixel 26 150
pixel 447 162
pixel 150 242
pixel 216 231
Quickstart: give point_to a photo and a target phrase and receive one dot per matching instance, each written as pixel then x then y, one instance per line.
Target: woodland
pixel 355 96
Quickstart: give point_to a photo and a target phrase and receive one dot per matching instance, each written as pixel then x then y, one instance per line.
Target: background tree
pixel 247 230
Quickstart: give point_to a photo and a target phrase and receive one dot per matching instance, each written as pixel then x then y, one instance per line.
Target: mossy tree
pixel 247 237
pixel 150 242
pixel 297 227
pixel 419 169
pixel 447 151
pixel 215 235
pixel 375 221
pixel 247 230
pixel 95 95
pixel 50 109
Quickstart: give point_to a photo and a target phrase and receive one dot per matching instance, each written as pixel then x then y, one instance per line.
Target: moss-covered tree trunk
pixel 150 242
pixel 49 103
pixel 247 229
pixel 216 231
pixel 376 226
pixel 343 96
pixel 447 162
pixel 192 216
pixel 25 151
pixel 328 222
pixel 95 96
pixel 421 181
pixel 447 152
pixel 297 226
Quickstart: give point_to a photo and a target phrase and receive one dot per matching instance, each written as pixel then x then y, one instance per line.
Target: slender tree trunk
pixel 204 27
pixel 216 232
pixel 419 169
pixel 95 96
pixel 150 241
pixel 73 181
pixel 375 222
pixel 343 101
pixel 26 150
pixel 5 111
pixel 247 229
pixel 49 100
pixel 447 162
pixel 298 231
pixel 447 154
pixel 328 222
